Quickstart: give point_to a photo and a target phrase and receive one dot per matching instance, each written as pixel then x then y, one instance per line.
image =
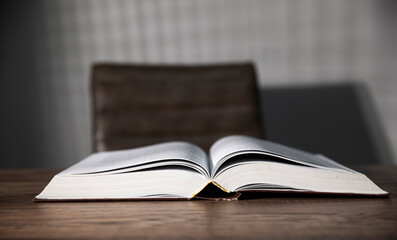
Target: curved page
pixel 172 153
pixel 228 147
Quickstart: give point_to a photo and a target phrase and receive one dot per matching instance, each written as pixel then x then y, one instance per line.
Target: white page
pixel 105 161
pixel 231 146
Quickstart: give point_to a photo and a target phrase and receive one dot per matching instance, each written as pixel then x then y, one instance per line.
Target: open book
pixel 180 170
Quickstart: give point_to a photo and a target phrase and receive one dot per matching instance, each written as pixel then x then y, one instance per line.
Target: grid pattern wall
pixel 291 42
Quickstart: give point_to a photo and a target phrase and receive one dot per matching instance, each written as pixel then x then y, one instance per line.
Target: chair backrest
pixel 337 120
pixel 138 105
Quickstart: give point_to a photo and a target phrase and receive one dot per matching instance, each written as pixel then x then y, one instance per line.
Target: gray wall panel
pixel 55 42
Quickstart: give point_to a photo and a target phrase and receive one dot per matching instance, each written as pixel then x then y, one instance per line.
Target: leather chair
pixel 138 105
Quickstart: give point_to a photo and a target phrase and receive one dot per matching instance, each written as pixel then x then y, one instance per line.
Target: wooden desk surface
pixel 275 217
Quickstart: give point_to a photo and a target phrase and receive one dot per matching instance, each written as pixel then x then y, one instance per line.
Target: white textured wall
pixel 296 41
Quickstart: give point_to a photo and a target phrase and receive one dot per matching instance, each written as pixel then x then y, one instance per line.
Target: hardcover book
pixel 179 170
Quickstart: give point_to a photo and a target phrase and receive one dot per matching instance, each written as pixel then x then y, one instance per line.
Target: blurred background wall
pixel 48 46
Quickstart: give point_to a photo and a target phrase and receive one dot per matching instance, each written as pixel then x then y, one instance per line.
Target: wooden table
pixel 274 217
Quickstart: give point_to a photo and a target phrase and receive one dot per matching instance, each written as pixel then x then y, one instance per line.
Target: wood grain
pixel 271 217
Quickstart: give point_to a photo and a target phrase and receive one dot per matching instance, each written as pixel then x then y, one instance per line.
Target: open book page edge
pixel 240 153
pixel 164 163
pixel 237 196
pixel 43 200
pixel 234 145
pixel 381 195
pixel 112 160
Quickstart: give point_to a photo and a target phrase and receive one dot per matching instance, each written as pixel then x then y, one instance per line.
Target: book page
pixel 171 153
pixel 230 146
